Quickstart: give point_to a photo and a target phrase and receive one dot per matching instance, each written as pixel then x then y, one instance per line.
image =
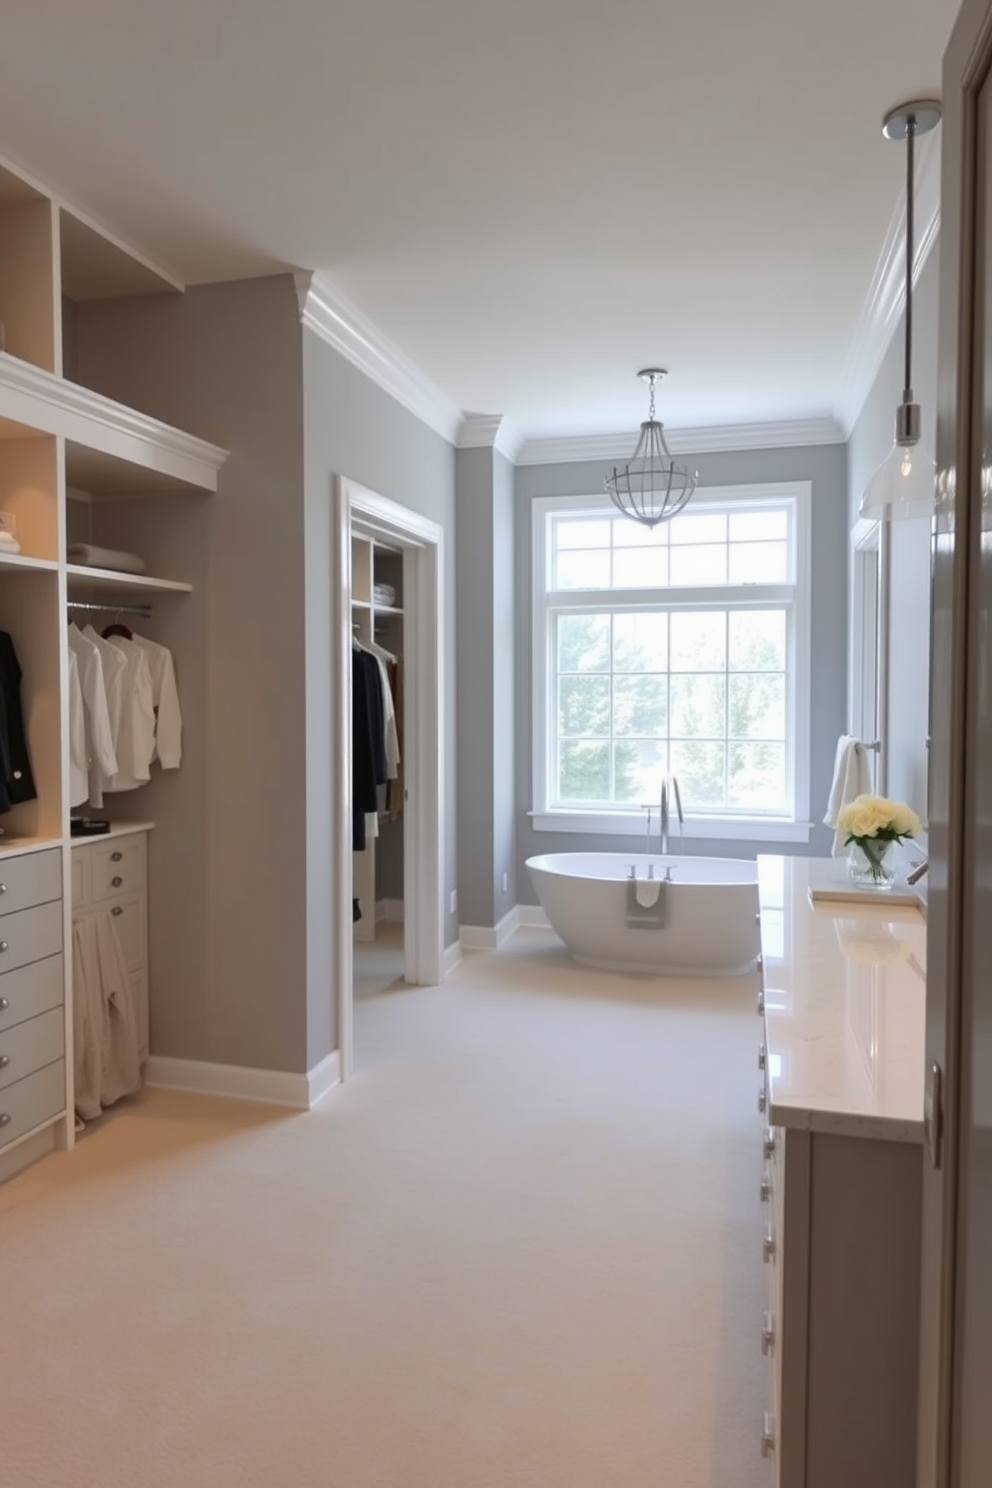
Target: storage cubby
pixel 31 615
pixel 29 483
pixel 27 272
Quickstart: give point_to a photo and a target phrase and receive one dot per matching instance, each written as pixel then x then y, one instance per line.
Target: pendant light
pixel 903 485
pixel 651 488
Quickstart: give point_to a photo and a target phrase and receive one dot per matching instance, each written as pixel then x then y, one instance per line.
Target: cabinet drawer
pixel 32 878
pixel 31 990
pixel 116 867
pixel 29 935
pixel 80 879
pixel 29 1102
pixel 30 1046
pixel 129 921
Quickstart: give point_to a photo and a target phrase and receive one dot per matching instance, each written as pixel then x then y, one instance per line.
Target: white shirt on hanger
pixel 79 779
pixel 114 666
pixel 99 739
pixel 136 739
pixel 165 699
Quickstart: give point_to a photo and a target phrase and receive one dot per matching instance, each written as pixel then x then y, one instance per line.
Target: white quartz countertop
pixel 844 1007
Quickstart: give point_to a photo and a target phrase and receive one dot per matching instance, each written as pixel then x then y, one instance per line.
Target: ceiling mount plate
pixel 925 111
pixel 657 373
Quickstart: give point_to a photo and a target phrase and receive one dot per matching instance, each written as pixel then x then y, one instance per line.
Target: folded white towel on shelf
pixel 89 555
pixel 851 778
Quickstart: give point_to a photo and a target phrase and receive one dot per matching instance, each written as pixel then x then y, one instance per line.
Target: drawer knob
pixel 4 1060
pixel 761 1003
pixel 768 1334
pixel 762 1056
pixel 766 1190
pixel 767 1437
pixel 4 946
pixel 116 881
pixel 117 910
pixel 762 1099
pixel 769 1141
pixel 115 857
pixel 3 888
pixel 5 1118
pixel 768 1246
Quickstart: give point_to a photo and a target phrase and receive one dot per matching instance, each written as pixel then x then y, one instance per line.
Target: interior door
pixel 956 1352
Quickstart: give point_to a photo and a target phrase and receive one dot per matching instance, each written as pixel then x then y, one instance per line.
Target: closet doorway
pixel 415 546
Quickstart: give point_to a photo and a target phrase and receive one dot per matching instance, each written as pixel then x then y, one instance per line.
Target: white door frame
pixel 422 543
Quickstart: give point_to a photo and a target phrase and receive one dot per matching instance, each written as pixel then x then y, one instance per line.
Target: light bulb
pixel 902 486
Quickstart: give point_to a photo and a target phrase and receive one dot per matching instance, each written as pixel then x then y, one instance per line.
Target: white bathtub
pixel 711 924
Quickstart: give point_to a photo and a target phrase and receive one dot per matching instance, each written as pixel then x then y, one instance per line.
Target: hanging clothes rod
pixel 116 609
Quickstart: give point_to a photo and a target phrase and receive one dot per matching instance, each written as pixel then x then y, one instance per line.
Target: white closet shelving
pixel 381 861
pixel 59 437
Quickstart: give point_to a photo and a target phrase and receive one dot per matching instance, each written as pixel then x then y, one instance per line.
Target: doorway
pixel 418 542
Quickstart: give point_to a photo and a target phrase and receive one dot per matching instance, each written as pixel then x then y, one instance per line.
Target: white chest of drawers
pixel 110 875
pixel 32 994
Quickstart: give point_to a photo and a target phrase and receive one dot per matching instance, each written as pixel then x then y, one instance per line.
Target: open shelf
pixel 106 581
pixel 110 448
pixel 20 561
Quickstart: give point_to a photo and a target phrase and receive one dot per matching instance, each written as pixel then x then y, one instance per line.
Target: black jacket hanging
pixel 16 780
pixel 368 741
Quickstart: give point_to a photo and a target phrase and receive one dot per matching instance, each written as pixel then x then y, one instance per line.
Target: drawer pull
pixel 115 857
pixel 761 1003
pixel 5 1118
pixel 117 910
pixel 116 881
pixel 4 946
pixel 4 1004
pixel 766 1190
pixel 760 961
pixel 768 1437
pixel 762 1056
pixel 768 1245
pixel 769 1141
pixel 3 888
pixel 4 1060
pixel 768 1334
pixel 762 1099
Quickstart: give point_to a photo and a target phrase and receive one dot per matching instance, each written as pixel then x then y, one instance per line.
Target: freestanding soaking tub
pixel 670 916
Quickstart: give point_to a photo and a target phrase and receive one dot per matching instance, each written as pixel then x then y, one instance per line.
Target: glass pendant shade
pixel 902 486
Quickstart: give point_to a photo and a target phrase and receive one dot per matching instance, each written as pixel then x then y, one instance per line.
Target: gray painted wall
pixel 353 428
pixel 485 681
pixel 240 857
pixel 825 467
pixel 228 920
pixel 909 629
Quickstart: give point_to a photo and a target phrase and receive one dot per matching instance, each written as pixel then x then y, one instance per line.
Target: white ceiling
pixel 528 200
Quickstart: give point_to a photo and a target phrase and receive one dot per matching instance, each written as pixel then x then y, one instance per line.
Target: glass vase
pixel 869 865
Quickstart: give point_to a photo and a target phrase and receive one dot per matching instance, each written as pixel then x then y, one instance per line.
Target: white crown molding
pixel 330 316
pixel 40 400
pixel 709 439
pixel 886 297
pixel 491 431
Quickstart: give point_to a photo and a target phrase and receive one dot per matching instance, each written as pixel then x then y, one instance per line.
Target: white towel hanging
pixel 851 779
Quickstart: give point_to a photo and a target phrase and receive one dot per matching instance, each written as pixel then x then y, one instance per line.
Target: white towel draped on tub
pixel 105 1032
pixel 851 778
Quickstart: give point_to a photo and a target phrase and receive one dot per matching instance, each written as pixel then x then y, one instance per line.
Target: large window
pixel 679 651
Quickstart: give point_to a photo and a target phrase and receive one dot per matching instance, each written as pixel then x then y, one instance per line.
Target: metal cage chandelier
pixel 651 488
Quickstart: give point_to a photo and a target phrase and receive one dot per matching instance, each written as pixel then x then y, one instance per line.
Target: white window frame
pixel 794 827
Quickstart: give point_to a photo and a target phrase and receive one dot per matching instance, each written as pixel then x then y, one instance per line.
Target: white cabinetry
pixel 840 1087
pixel 57 436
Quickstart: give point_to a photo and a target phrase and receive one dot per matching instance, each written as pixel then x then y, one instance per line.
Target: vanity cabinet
pixel 840 1090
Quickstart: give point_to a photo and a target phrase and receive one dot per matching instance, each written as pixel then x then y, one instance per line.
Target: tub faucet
pixel 918 872
pixel 669 784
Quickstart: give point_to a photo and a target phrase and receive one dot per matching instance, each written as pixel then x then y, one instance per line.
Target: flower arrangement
pixel 872 824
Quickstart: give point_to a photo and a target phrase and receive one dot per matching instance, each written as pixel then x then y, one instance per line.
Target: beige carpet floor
pixel 521 1247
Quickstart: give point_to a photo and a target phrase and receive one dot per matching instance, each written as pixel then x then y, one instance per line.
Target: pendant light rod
pixel 910 187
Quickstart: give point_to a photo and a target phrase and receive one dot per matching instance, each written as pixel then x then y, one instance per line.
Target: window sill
pixel 711 828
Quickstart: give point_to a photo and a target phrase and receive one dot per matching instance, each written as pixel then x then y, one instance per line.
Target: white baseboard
pixel 482 938
pixel 389 909
pixel 450 958
pixel 323 1078
pixel 236 1082
pixel 532 917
